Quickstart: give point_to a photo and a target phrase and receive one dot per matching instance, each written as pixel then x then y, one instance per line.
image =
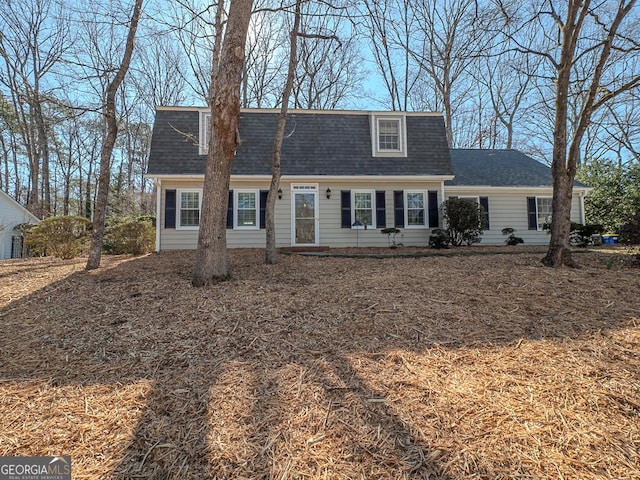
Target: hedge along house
pixel 345 176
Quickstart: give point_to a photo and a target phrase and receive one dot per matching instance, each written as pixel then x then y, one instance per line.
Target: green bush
pixel 511 236
pixel 134 237
pixel 582 235
pixel 630 230
pixel 63 236
pixel 464 219
pixel 439 238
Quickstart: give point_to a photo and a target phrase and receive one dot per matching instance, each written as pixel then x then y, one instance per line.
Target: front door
pixel 305 215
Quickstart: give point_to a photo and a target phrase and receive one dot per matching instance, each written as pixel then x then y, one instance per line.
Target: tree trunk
pixel 270 254
pixel 211 257
pixel 100 211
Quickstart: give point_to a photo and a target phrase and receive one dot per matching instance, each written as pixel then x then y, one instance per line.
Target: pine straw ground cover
pixel 484 367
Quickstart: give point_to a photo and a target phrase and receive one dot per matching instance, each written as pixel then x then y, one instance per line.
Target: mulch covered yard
pixel 441 367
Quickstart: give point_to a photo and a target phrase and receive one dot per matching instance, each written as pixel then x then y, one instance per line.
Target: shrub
pixel 582 235
pixel 391 233
pixel 439 238
pixel 134 237
pixel 511 236
pixel 63 236
pixel 630 230
pixel 464 219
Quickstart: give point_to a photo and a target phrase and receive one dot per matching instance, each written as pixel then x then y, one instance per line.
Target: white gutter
pixel 582 213
pixel 158 212
pixel 317 178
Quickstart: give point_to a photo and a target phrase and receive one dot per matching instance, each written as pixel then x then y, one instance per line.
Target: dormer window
pixel 388 133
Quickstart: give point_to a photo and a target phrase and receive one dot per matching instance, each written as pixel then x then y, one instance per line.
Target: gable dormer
pixel 204 131
pixel 388 134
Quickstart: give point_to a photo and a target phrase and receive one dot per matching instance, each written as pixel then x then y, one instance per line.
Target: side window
pixel 246 209
pixel 189 208
pixel 415 209
pixel 544 210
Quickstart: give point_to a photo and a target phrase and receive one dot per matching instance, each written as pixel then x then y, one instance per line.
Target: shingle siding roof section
pixel 316 144
pixel 498 168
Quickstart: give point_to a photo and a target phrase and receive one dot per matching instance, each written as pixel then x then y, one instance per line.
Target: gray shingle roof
pixel 321 144
pixel 498 168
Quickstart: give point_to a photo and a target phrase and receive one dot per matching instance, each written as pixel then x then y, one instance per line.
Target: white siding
pixel 329 217
pixel 508 208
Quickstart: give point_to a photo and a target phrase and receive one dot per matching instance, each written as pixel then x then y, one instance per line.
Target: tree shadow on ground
pixel 258 377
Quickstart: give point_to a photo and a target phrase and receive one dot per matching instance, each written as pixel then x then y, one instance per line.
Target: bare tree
pixel 109 113
pixel 587 48
pixel 329 68
pixel 270 255
pixel 388 26
pixel 211 257
pixel 33 40
pixel 158 75
pixel 265 59
pixel 449 37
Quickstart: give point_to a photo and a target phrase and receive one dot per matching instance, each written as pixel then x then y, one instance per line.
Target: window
pixel 415 209
pixel 246 211
pixel 544 211
pixel 189 208
pixel 363 208
pixel 388 135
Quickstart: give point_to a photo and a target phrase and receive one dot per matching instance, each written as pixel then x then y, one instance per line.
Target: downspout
pixel 158 212
pixel 442 225
pixel 582 214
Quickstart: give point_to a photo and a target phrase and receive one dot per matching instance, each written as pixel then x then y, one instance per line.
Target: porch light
pixel 328 192
pixel 279 194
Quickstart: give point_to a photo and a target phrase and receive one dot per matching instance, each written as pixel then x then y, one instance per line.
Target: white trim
pixel 306 111
pixel 319 178
pixel 451 189
pixel 159 213
pixel 475 198
pixel 305 188
pixel 425 207
pixel 374 125
pixel 236 191
pixel 179 193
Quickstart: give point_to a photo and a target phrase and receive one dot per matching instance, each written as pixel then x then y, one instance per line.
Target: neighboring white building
pixel 345 176
pixel 12 214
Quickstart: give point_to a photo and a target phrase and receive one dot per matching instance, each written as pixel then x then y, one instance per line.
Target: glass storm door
pixel 305 215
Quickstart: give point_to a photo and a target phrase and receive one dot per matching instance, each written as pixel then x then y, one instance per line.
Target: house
pixel 11 215
pixel 345 176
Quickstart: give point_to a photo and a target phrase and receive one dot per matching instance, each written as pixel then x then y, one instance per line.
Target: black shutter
pixel 381 211
pixel 345 202
pixel 230 210
pixel 531 213
pixel 170 209
pixel 432 202
pixel 398 208
pixel 263 207
pixel 484 203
